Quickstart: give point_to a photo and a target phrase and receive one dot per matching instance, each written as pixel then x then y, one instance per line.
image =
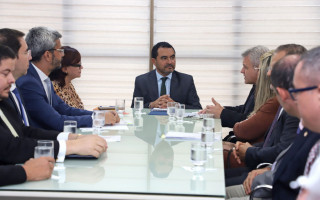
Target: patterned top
pixel 68 94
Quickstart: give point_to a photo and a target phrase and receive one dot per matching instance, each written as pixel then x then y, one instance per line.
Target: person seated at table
pixel 256 125
pixel 266 105
pixel 32 170
pixel 165 84
pixel 47 110
pixel 61 78
pixel 17 141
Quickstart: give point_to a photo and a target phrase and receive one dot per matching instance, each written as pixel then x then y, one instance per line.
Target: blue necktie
pixel 22 110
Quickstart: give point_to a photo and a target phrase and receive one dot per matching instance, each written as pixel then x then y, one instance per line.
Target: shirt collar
pixel 159 76
pixel 13 86
pixel 40 73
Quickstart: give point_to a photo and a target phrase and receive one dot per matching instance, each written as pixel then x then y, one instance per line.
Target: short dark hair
pixel 291 49
pixel 154 52
pixel 6 52
pixel 71 57
pixel 283 71
pixel 10 37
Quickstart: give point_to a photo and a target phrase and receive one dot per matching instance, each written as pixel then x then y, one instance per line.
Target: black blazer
pixel 20 149
pixel 231 115
pixel 12 174
pixel 182 89
pixel 292 165
pixel 282 135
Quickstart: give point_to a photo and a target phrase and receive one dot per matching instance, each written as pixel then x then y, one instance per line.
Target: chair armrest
pixel 267 187
pixel 230 138
pixel 263 165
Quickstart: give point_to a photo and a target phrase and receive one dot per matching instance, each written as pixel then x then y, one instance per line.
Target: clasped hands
pixel 239 151
pixel 161 102
pixel 215 109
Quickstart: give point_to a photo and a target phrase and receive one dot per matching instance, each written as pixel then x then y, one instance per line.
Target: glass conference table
pixel 144 164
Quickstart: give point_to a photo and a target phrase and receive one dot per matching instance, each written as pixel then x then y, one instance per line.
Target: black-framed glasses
pixel 59 50
pixel 294 91
pixel 76 65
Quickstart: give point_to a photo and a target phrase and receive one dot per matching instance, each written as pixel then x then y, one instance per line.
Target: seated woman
pixel 61 78
pixel 255 127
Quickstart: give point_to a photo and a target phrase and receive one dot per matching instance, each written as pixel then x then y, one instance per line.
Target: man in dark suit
pixel 291 164
pixel 46 110
pixel 250 68
pixel 17 141
pixel 14 39
pixel 164 84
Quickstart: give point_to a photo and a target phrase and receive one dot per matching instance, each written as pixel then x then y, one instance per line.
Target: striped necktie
pixel 163 90
pixel 22 109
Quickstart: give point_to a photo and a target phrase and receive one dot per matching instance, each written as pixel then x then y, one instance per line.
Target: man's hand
pixel 216 109
pixel 248 182
pixel 39 168
pixel 242 149
pixel 161 102
pixel 111 117
pixel 89 145
pixel 236 153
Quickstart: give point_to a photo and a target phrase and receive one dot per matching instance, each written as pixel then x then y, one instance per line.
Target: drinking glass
pixel 198 155
pixel 120 106
pixel 180 110
pixel 138 104
pixel 208 122
pixel 98 120
pixel 171 110
pixel 43 151
pixel 208 138
pixel 70 126
pixel 46 143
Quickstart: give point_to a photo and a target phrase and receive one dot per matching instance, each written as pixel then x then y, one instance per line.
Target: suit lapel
pixel 32 71
pixel 173 87
pixel 153 86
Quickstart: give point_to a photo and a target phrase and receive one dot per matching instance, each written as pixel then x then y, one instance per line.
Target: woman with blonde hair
pixel 258 122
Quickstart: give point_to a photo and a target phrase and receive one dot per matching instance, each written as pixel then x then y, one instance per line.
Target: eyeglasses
pixel 294 91
pixel 76 65
pixel 59 50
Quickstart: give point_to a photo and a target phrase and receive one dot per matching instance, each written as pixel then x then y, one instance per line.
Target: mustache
pixel 169 65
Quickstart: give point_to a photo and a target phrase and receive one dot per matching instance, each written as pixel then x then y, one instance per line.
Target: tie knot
pixel 47 80
pixel 164 79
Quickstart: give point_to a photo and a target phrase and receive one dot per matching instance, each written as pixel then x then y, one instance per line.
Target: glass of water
pixel 208 122
pixel 70 126
pixel 198 156
pixel 43 151
pixel 120 106
pixel 98 121
pixel 138 104
pixel 47 143
pixel 171 110
pixel 180 110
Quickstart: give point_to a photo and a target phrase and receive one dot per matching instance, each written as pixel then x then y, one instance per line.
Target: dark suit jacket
pixel 231 115
pixel 292 165
pixel 20 149
pixel 12 174
pixel 282 135
pixel 41 113
pixel 182 89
